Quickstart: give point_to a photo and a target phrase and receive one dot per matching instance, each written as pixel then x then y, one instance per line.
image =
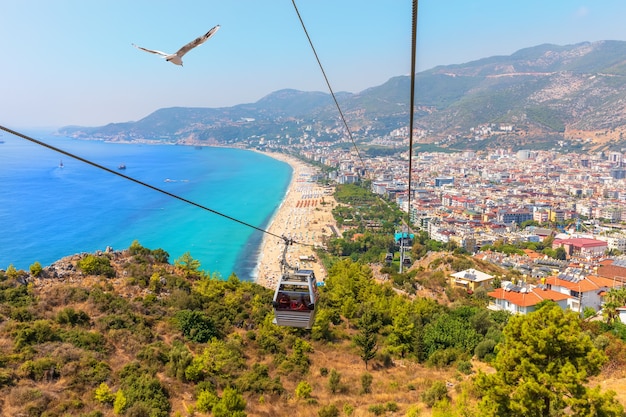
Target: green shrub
pixel 96 265
pixel 87 340
pixel 334 381
pixel 39 331
pixel 161 256
pixel 298 359
pixel 120 402
pixel 589 312
pixel 140 409
pixel 22 314
pixel 135 248
pixel 155 283
pixel 484 348
pixel 12 272
pixel 436 392
pixel 232 404
pixel 303 390
pixel 104 394
pixel 196 326
pixel 179 359
pixel 413 411
pixel 87 372
pixel 116 322
pixel 377 409
pixel 465 367
pixel 461 264
pixel 443 358
pixel 42 369
pixel 72 317
pixel 220 362
pixel 15 295
pixel 6 378
pixel 146 392
pixel 269 338
pixel 155 354
pixel 206 401
pixel 391 406
pixel 330 410
pixel 601 342
pixel 35 269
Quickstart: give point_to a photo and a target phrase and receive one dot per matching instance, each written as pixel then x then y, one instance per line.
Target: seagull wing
pixel 198 41
pixel 152 51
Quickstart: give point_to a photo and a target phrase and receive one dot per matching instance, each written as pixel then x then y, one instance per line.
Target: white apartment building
pixel 614 242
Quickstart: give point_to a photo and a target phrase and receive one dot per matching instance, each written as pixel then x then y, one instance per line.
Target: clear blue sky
pixel 71 61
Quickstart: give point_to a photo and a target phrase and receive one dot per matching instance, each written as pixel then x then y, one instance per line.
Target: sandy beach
pixel 304 216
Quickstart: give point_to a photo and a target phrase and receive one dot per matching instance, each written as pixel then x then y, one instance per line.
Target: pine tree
pixel 367 338
pixel 543 368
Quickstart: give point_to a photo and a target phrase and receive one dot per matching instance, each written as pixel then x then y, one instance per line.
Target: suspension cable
pixel 328 83
pixel 412 102
pixel 119 174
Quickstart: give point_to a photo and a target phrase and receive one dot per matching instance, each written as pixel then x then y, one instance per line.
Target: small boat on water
pixel 122 166
pixel 61 164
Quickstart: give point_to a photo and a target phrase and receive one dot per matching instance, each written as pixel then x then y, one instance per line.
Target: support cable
pixel 328 83
pixel 412 104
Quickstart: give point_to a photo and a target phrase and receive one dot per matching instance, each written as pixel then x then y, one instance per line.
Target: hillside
pixel 130 333
pixel 67 332
pixel 544 94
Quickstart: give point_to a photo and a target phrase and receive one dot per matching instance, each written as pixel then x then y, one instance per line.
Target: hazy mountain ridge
pixel 546 90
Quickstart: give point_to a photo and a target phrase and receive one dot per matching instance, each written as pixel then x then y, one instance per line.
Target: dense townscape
pixel 476 200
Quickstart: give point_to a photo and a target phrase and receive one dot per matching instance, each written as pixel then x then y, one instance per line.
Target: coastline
pixel 304 215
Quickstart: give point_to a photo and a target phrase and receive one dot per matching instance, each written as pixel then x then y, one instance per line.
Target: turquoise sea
pixel 48 212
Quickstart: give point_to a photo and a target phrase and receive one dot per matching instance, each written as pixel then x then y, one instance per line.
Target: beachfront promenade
pixel 304 216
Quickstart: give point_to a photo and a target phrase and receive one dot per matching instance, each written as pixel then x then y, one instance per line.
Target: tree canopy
pixel 543 368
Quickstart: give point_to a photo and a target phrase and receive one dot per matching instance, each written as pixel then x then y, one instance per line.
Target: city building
pixel 524 299
pixel 582 247
pixel 470 279
pixel 441 181
pixel 585 290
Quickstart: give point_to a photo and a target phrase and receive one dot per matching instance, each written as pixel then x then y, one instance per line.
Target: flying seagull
pixel 177 58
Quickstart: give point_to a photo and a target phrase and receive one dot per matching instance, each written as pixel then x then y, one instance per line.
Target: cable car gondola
pixel 295 298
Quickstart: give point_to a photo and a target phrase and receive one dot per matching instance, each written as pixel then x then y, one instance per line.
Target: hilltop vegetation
pixel 156 339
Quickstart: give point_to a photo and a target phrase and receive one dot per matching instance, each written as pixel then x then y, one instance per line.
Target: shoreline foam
pixel 304 215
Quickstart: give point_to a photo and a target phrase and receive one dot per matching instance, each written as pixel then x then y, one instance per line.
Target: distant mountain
pixel 534 96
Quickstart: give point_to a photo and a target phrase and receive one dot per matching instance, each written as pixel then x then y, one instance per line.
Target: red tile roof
pixel 532 297
pixel 607 270
pixel 604 282
pixel 533 254
pixel 590 283
pixel 580 242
